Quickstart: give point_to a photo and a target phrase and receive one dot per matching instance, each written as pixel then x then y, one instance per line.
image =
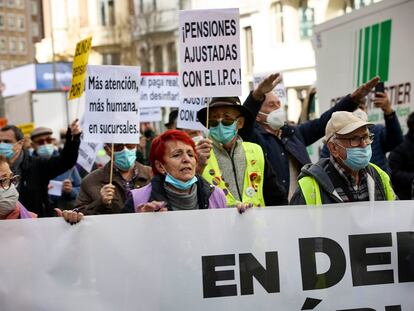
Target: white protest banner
pixel 111 107
pixel 159 89
pixel 150 114
pixel 339 257
pixel 87 154
pixel 187 113
pixel 210 53
pixel 279 89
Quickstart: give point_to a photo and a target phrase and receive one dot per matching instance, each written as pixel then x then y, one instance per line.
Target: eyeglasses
pixel 357 140
pixel 225 122
pixel 5 183
pixel 6 141
pixel 120 147
pixel 43 141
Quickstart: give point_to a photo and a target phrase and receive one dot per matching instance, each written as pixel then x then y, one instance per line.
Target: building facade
pixel 69 21
pixel 275 35
pixel 21 26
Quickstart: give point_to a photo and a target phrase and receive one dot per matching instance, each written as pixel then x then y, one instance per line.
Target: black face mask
pixel 149 133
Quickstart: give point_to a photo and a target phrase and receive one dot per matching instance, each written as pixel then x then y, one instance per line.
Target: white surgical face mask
pixel 276 119
pixel 8 200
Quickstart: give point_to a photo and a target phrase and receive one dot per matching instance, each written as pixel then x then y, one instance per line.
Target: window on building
pixel 154 5
pixel 21 22
pixel 11 21
pixel 34 7
pixel 22 46
pixel 306 20
pixel 172 57
pixel 111 59
pixel 107 11
pixel 357 4
pixel 277 10
pixel 248 36
pixel 11 3
pixel 141 6
pixel 2 23
pixel 20 4
pixel 1 2
pixel 83 13
pixel 35 29
pixel 3 45
pixel 144 60
pixel 158 62
pixel 12 45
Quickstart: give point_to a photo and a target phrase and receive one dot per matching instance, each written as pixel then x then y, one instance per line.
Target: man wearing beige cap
pixel 347 176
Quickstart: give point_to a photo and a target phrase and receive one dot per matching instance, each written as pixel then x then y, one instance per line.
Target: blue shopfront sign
pixel 44 76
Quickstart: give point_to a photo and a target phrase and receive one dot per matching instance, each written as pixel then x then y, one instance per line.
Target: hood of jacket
pixel 318 171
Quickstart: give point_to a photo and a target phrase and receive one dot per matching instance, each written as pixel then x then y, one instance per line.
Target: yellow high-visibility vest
pixel 253 177
pixel 312 194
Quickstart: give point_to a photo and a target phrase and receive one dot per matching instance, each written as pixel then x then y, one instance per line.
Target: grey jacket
pixel 327 188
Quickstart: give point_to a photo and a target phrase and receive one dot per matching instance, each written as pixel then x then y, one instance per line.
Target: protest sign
pixel 209 53
pixel 111 106
pixel 279 89
pixel 150 114
pixel 339 257
pixel 80 62
pixel 26 128
pixel 187 113
pixel 87 154
pixel 55 188
pixel 159 90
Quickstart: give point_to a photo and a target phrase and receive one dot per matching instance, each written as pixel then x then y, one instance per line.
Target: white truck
pixel 43 108
pixel 374 41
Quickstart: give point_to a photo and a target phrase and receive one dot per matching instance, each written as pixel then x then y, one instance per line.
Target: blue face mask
pixel 45 151
pixel 223 133
pixel 180 184
pixel 358 158
pixel 125 159
pixel 6 149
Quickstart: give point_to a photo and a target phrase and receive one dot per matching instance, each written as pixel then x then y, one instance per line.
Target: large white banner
pixel 159 90
pixel 112 104
pixel 349 257
pixel 210 53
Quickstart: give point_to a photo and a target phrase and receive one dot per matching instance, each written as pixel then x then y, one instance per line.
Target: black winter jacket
pixel 37 172
pixel 294 139
pixel 401 161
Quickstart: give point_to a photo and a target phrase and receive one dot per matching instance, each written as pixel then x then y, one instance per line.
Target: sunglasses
pixel 120 147
pixel 225 122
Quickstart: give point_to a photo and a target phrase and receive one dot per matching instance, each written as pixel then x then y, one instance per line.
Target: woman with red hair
pixel 175 185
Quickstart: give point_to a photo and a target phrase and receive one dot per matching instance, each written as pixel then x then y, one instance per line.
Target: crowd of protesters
pixel 251 157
